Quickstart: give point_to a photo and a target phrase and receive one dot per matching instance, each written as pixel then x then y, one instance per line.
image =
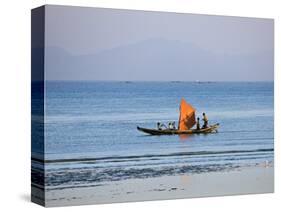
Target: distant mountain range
pixel 157 59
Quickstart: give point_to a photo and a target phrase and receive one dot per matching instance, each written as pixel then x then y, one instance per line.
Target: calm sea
pixel 91 136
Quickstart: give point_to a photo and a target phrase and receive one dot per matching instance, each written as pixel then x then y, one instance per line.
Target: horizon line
pixel 174 81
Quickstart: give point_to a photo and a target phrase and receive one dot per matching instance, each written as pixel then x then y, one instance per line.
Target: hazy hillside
pixel 175 59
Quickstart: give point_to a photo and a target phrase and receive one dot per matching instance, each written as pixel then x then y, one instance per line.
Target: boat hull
pixel 210 129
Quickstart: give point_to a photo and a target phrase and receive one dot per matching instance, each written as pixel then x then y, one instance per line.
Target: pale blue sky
pixel 110 44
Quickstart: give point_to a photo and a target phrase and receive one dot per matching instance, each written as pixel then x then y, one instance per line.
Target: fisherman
pixel 172 125
pixel 160 126
pixel 205 119
pixel 198 124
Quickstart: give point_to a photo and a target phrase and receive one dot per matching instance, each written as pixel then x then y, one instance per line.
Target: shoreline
pixel 248 180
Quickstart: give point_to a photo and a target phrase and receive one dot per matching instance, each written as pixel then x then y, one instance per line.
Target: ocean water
pixel 91 132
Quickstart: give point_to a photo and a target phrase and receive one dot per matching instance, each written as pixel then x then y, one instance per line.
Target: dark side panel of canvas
pixel 37 105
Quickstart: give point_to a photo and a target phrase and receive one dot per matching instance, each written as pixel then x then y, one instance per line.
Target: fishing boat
pixel 186 122
pixel 210 129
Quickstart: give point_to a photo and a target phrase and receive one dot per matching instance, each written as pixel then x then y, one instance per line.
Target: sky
pixel 128 45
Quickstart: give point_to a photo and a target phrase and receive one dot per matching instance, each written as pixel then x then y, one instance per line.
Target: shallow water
pixel 91 134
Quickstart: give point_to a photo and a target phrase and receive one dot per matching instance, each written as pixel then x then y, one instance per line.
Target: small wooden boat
pixel 210 129
pixel 186 122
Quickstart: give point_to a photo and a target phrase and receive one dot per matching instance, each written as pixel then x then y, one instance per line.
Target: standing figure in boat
pixel 205 119
pixel 198 124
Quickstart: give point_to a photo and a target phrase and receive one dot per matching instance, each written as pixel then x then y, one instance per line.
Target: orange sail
pixel 187 116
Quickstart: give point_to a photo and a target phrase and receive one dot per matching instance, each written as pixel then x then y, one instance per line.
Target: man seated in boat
pixel 160 126
pixel 198 124
pixel 205 119
pixel 172 125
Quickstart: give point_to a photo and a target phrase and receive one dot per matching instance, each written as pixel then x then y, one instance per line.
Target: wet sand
pixel 251 180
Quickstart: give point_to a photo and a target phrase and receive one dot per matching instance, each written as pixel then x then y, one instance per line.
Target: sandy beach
pixel 250 180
